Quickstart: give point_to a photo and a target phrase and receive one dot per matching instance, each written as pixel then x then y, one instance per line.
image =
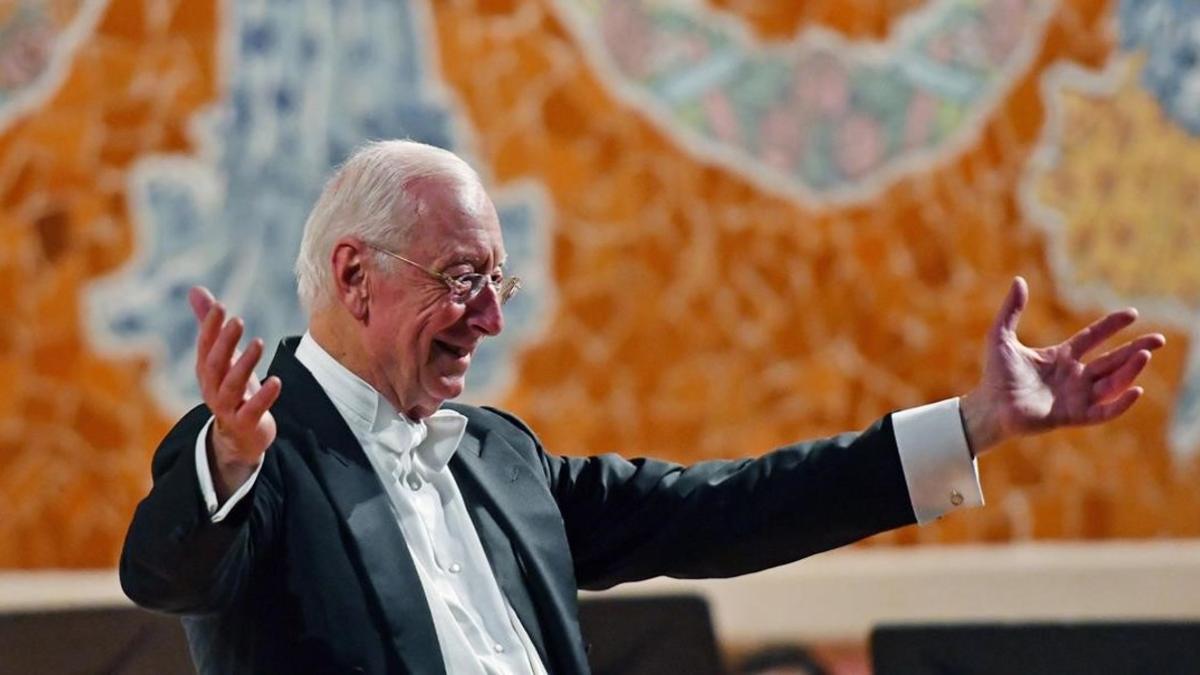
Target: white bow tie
pixel 432 443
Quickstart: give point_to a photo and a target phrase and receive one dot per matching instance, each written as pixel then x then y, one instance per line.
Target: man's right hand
pixel 243 427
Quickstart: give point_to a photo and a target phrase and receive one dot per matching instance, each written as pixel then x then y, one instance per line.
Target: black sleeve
pixel 628 520
pixel 175 559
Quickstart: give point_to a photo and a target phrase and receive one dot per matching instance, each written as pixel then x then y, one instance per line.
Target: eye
pixel 463 281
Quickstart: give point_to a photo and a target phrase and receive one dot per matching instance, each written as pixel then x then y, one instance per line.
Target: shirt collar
pixel 368 413
pixel 356 400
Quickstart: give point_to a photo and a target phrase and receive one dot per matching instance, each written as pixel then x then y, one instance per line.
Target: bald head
pixel 380 194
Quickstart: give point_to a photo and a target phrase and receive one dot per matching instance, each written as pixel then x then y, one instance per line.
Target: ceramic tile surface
pixel 742 223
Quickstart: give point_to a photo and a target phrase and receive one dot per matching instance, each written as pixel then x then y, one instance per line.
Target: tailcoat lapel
pixel 504 484
pixel 506 563
pixel 354 490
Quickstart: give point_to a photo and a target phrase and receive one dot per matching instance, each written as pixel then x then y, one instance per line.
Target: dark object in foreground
pixel 114 641
pixel 658 635
pixel 651 635
pixel 1082 648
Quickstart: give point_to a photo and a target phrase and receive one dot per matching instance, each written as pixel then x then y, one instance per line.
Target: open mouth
pixel 456 352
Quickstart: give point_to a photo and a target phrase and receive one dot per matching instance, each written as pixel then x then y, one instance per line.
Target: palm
pixel 258 436
pixel 244 426
pixel 1037 389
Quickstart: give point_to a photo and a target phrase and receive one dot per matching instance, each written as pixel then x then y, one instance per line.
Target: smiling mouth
pixel 456 352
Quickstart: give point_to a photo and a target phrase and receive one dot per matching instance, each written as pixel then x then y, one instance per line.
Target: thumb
pixel 201 301
pixel 1010 311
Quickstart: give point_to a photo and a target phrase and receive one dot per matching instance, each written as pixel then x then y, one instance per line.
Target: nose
pixel 484 313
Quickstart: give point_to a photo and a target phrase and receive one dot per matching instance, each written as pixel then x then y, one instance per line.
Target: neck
pixel 336 336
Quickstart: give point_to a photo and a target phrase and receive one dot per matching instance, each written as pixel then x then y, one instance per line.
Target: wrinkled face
pixel 419 341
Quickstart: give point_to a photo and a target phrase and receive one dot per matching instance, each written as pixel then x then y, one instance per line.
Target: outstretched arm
pixel 632 519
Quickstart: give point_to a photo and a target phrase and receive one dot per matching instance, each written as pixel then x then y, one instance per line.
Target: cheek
pixel 441 322
pixel 445 319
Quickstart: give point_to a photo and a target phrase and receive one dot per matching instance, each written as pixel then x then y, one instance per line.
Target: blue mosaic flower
pixel 1168 31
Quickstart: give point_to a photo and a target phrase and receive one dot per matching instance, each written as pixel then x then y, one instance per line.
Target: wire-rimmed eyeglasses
pixel 464 287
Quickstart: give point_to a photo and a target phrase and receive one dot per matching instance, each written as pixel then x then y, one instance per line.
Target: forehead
pixel 456 222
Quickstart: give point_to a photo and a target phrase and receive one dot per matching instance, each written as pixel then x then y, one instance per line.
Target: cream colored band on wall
pixel 841 595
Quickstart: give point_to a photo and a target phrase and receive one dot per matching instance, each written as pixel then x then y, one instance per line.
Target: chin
pixel 447 389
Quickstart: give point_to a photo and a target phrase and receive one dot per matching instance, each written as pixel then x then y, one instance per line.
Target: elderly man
pixel 341 517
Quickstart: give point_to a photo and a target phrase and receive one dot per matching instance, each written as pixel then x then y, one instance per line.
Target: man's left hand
pixel 1026 390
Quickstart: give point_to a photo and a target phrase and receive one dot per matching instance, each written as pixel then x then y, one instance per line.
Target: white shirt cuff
pixel 938 468
pixel 206 484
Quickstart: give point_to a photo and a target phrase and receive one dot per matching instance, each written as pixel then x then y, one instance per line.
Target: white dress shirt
pixel 476 627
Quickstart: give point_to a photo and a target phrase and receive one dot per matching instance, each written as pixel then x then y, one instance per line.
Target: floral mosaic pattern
pixel 37 39
pixel 1115 181
pixel 693 307
pixel 76 427
pixel 819 116
pixel 1168 32
pixel 701 316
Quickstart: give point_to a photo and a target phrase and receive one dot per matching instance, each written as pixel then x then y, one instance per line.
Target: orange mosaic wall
pixel 697 313
pixel 77 429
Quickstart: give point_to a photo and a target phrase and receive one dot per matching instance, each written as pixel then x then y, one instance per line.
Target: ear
pixel 348 261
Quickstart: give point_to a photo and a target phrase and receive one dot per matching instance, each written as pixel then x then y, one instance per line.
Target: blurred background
pixel 740 222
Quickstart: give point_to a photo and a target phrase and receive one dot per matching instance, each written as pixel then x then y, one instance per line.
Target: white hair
pixel 373 195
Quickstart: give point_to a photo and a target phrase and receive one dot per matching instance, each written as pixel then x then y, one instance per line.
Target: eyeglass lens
pixel 471 285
